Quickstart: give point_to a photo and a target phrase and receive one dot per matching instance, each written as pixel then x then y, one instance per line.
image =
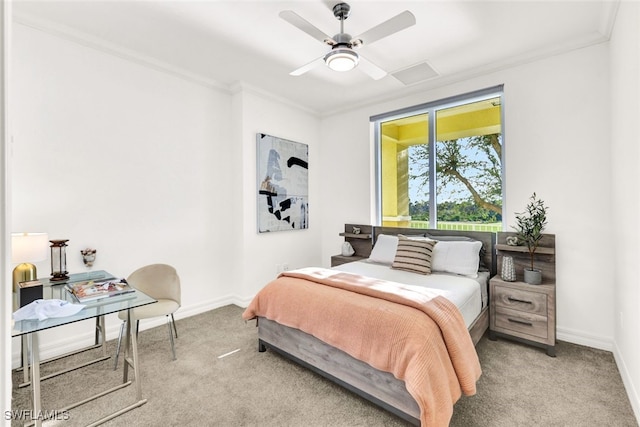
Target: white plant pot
pixel 532 277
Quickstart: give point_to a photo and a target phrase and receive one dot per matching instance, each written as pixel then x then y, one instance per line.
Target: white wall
pixel 625 193
pixel 556 143
pixel 263 252
pixel 347 192
pixel 123 158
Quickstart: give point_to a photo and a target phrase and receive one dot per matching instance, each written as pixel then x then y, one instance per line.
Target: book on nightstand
pixel 93 290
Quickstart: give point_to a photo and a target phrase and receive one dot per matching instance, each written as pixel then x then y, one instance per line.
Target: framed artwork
pixel 283 184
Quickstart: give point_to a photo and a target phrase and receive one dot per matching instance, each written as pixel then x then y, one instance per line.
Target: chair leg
pixel 174 325
pixel 173 348
pixel 115 365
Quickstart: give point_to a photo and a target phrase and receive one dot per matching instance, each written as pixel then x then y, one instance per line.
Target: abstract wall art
pixel 283 184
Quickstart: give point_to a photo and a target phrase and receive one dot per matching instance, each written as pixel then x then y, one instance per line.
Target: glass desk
pixel 28 330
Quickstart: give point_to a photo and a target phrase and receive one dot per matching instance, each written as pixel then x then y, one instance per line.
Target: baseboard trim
pixel 632 392
pixel 582 338
pixel 243 301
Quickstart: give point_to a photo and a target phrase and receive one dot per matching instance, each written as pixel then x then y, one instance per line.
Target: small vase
pixel 508 269
pixel 88 257
pixel 532 277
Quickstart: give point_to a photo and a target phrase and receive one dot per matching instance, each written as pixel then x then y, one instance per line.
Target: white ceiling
pixel 225 43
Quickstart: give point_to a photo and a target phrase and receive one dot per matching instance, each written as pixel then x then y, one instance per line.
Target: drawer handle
pixel 521 322
pixel 519 300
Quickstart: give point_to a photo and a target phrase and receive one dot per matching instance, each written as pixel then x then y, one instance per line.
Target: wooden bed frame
pixel 380 388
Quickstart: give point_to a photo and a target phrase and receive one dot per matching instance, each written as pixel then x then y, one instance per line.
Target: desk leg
pixel 35 377
pixel 100 325
pixel 25 358
pixel 134 356
pixel 131 355
pixel 127 347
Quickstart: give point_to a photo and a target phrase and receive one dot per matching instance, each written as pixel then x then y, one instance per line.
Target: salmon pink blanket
pixel 410 332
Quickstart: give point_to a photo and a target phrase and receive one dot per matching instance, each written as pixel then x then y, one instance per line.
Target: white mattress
pixel 469 295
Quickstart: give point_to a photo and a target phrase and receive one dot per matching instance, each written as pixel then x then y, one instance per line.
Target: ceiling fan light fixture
pixel 342 59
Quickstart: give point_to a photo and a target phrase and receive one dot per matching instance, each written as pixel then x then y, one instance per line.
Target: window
pixel 454 183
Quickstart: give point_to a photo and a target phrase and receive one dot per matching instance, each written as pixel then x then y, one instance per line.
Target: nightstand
pixel 521 311
pixel 361 242
pixel 524 312
pixel 341 259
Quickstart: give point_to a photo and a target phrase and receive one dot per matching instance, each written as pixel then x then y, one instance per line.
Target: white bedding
pixel 469 295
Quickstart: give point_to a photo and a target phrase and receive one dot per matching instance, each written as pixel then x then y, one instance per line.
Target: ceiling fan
pixel 342 56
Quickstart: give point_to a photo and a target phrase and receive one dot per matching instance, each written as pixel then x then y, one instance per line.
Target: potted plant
pixel 529 227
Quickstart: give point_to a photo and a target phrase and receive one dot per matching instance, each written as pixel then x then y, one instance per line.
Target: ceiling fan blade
pixel 298 21
pixel 388 27
pixel 375 72
pixel 308 66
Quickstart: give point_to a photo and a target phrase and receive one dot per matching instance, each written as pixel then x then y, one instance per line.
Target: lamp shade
pixel 29 247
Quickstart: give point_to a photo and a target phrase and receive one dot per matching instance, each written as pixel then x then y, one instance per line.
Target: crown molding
pixel 608 17
pixel 240 87
pixel 84 39
pixel 490 68
pixel 104 46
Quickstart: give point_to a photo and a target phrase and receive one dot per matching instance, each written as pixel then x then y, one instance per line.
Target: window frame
pixel 431 108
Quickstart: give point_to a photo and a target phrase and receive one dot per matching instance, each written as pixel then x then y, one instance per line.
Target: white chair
pixel 160 282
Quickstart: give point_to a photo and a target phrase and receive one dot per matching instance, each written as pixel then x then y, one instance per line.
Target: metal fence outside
pixel 460 226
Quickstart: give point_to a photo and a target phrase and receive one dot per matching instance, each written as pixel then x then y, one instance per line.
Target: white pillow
pixel 458 257
pixel 384 251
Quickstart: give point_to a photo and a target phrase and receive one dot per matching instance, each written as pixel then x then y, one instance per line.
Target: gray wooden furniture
pixel 362 244
pixel 520 311
pixel 379 387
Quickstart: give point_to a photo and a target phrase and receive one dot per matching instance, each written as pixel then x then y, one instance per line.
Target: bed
pixel 360 302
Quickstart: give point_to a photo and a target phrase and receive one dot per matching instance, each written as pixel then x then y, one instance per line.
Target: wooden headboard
pixel 364 246
pixel 488 239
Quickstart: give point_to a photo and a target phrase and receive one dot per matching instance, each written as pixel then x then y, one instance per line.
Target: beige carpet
pixel 520 385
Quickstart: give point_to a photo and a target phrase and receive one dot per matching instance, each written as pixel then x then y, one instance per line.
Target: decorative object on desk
pixel 512 240
pixel 529 227
pixel 283 184
pixel 508 273
pixel 25 249
pixel 356 230
pixel 88 257
pixel 347 249
pixel 59 260
pixel 92 290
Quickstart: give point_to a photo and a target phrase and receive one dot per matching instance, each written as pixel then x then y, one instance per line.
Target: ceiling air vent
pixel 415 74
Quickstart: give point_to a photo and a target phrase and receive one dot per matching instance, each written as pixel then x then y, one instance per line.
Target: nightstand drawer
pixel 516 299
pixel 519 321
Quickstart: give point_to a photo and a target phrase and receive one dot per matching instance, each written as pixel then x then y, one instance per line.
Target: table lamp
pixel 25 249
